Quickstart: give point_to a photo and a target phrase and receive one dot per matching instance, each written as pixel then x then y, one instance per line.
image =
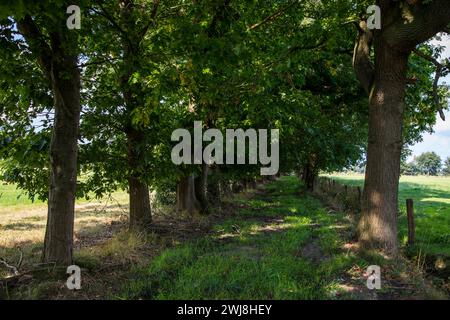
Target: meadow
pixel 98 224
pixel 431 197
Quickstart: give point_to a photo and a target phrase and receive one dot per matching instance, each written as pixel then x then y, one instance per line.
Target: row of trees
pixel 101 102
pixel 428 163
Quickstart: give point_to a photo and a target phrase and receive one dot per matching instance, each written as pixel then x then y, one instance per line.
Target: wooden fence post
pixel 411 227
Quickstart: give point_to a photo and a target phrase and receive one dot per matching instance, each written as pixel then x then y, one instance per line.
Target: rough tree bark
pixel 309 173
pixel 140 210
pixel 378 224
pixel 186 197
pixel 60 67
pixel 405 24
pixel 201 188
pixel 58 241
pixel 213 185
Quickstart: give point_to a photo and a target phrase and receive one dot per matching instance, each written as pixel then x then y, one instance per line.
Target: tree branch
pixel 419 22
pixel 30 31
pixel 362 64
pixel 439 70
pixel 218 17
pixel 152 18
pixel 297 48
pixel 104 13
pixel 82 65
pixel 14 269
pixel 272 16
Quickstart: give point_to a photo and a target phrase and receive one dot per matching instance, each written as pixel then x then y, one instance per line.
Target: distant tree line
pixel 428 163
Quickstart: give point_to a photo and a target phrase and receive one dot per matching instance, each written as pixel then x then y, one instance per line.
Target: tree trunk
pixel 309 173
pixel 201 188
pixel 59 62
pixel 225 189
pixel 404 27
pixel 252 183
pixel 140 210
pixel 308 177
pixel 378 224
pixel 186 199
pixel 214 184
pixel 58 243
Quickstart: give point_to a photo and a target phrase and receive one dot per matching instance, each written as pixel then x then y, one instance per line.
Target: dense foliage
pixel 150 67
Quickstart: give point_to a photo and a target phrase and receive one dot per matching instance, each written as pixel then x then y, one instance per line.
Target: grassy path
pixel 280 244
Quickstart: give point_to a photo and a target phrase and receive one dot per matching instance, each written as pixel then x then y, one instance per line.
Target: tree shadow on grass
pixel 419 193
pixel 21 226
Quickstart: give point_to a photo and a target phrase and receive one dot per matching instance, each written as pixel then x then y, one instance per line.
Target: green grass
pixel 431 197
pixel 276 243
pixel 11 196
pixel 258 254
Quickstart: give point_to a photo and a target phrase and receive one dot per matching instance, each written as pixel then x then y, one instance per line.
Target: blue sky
pixel 439 141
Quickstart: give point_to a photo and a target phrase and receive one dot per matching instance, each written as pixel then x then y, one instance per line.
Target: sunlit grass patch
pixel 260 259
pixel 299 251
pixel 121 248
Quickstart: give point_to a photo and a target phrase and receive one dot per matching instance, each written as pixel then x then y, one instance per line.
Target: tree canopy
pixel 146 68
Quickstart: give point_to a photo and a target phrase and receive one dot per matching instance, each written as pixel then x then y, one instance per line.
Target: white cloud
pixel 443 126
pixel 444 42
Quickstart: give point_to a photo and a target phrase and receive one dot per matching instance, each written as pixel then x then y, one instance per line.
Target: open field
pixel 431 197
pixel 275 242
pixel 22 222
pixel 12 197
